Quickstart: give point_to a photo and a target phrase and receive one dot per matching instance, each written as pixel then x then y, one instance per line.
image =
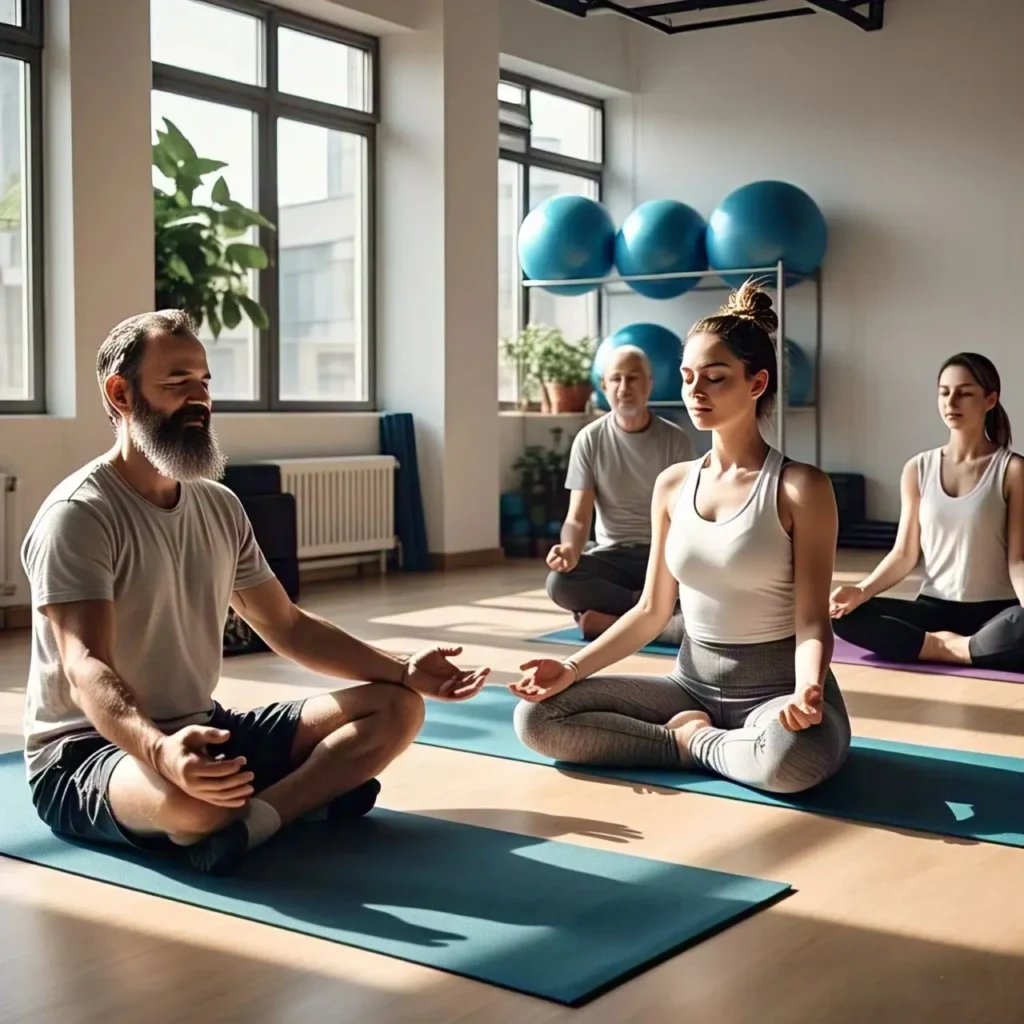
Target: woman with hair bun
pixel 746 538
pixel 963 515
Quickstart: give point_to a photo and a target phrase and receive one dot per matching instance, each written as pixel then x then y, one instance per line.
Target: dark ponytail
pixel 985 374
pixel 745 325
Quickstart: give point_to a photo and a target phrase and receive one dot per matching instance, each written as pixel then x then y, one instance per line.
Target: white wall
pixel 585 53
pixel 910 140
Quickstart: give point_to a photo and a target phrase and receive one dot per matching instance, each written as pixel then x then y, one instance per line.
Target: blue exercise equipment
pixel 662 236
pixel 799 375
pixel 664 350
pixel 763 222
pixel 564 238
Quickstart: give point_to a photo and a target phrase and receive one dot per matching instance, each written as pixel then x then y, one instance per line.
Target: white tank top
pixel 963 540
pixel 735 575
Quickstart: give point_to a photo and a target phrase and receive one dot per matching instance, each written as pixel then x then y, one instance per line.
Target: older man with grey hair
pixel 613 466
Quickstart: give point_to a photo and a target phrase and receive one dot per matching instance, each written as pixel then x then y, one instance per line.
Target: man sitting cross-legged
pixel 133 563
pixel 613 466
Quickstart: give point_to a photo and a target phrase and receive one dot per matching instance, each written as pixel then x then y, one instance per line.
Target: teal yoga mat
pixel 551 919
pixel 927 789
pixel 572 637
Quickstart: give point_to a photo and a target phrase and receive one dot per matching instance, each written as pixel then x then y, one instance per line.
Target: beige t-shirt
pixel 170 574
pixel 621 468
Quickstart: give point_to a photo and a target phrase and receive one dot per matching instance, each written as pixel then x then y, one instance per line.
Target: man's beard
pixel 176 449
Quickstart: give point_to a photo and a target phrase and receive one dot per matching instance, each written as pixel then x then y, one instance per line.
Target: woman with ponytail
pixel 963 511
pixel 746 540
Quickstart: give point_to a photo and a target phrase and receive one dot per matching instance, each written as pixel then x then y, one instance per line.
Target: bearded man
pixel 133 562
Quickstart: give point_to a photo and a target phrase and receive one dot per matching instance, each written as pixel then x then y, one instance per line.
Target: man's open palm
pixel 431 674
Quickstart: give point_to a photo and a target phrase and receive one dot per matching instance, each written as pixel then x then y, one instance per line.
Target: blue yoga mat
pixel 551 919
pixel 572 637
pixel 927 789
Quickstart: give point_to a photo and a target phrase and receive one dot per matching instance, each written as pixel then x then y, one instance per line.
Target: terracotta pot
pixel 569 397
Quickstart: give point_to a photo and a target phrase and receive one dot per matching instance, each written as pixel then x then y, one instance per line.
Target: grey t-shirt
pixel 170 574
pixel 621 468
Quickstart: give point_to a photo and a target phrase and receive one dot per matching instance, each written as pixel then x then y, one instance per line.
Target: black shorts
pixel 70 793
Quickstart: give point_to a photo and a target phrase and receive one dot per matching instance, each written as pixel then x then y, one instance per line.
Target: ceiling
pixel 681 16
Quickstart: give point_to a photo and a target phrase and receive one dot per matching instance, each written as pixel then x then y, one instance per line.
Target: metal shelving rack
pixel 712 281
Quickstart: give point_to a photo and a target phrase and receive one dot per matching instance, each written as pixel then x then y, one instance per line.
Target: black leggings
pixel 895 629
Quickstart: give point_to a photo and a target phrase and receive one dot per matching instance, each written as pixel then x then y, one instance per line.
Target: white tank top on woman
pixel 963 540
pixel 735 575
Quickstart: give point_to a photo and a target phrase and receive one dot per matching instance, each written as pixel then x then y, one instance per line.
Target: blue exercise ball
pixel 663 349
pixel 662 236
pixel 799 375
pixel 761 223
pixel 564 238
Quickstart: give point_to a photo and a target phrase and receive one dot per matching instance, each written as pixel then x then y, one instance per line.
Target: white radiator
pixel 345 505
pixel 10 538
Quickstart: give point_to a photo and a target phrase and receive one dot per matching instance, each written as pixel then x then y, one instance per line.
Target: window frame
pixel 25 43
pixel 544 159
pixel 269 104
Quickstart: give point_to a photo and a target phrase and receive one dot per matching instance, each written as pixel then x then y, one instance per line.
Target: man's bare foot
pixel 685 726
pixel 592 624
pixel 945 646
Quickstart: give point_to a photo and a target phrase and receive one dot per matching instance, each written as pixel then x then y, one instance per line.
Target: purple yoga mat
pixel 849 654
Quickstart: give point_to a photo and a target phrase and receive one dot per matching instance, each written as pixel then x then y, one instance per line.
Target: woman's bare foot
pixel 945 646
pixel 593 624
pixel 685 726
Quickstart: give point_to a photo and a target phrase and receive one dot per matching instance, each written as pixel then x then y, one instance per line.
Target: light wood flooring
pixel 885 925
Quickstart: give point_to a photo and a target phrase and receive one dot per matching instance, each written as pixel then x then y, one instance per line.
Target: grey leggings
pixel 619 721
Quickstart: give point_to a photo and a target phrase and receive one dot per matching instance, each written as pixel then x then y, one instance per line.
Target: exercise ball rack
pixel 713 281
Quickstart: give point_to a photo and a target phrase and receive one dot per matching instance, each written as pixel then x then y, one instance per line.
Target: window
pixel 22 384
pixel 551 143
pixel 290 106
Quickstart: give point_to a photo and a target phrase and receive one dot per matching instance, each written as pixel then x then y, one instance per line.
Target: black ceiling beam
pixel 631 13
pixel 652 14
pixel 577 7
pixel 746 19
pixel 872 21
pixel 689 6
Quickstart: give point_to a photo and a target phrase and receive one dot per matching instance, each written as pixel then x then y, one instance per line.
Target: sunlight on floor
pixel 475 619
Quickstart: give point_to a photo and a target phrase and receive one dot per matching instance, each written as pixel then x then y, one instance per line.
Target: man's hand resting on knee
pixel 183 758
pixel 562 558
pixel 431 674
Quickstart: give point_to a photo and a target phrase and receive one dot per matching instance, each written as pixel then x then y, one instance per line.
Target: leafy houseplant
pixel 202 259
pixel 521 352
pixel 564 369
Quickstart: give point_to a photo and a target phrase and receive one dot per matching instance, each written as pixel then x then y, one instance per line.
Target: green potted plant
pixel 564 370
pixel 521 352
pixel 202 257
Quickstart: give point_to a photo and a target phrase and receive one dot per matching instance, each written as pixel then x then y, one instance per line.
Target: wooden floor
pixel 884 926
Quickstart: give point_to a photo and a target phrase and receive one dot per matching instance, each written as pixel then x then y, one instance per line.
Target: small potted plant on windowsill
pixel 564 370
pixel 521 353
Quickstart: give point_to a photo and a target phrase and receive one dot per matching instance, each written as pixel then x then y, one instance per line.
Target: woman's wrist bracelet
pixel 570 664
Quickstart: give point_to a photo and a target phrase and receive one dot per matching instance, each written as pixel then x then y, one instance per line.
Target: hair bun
pixel 751 302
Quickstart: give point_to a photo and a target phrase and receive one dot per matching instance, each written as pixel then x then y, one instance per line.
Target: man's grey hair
pixel 633 351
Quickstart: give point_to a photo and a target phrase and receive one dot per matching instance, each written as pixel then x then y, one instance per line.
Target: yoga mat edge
pixel 339 890
pixel 898 785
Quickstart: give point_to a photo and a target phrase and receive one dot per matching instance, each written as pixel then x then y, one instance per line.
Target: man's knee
pixel 567 591
pixel 402 712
